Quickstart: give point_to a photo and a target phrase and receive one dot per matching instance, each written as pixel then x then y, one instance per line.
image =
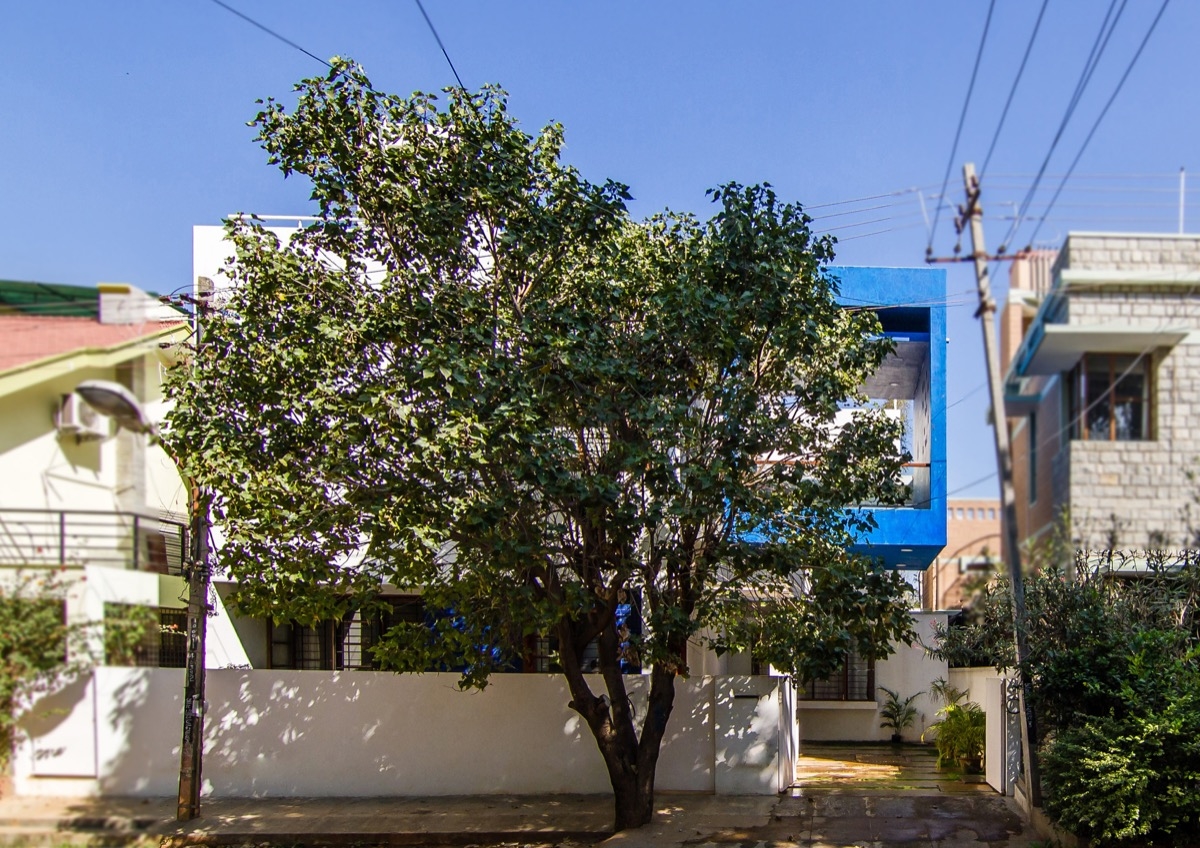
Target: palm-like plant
pixel 961 735
pixel 898 713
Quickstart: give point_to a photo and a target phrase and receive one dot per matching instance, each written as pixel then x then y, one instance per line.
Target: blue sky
pixel 122 124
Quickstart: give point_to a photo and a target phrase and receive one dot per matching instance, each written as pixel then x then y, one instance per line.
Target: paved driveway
pixel 870 795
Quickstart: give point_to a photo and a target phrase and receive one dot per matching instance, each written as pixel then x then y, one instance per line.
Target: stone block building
pixel 1102 391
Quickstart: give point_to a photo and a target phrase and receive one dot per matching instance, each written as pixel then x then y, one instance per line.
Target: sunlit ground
pixel 824 765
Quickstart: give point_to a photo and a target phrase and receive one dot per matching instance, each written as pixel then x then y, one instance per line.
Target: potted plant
pixel 961 736
pixel 898 713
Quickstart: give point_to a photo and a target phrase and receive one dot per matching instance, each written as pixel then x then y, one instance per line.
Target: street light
pixel 116 401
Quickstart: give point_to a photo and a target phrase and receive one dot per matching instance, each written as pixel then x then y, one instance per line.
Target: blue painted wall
pixel 909 537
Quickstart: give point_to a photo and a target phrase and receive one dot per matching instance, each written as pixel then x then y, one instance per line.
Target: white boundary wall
pixel 311 733
pixel 907 671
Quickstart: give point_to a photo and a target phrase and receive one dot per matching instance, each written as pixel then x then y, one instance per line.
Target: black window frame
pixel 854 681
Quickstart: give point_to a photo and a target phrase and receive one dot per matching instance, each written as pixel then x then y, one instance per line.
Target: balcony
pixel 40 538
pixel 910 385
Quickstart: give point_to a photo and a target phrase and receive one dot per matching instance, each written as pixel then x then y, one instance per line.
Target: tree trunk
pixel 631 761
pixel 634 805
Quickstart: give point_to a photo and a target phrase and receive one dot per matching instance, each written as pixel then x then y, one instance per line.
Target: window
pixel 333 645
pixel 854 681
pixel 1108 398
pixel 971 514
pixel 992 514
pixel 163 641
pixel 337 645
pixel 960 514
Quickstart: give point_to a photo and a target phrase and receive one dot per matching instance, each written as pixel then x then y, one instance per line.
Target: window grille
pixel 333 645
pixel 161 646
pixel 854 681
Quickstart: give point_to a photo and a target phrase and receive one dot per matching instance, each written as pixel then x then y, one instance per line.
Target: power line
pixel 1086 189
pixel 438 38
pixel 271 32
pixel 973 391
pixel 586 200
pixel 954 299
pixel 961 120
pixel 1103 112
pixel 902 191
pixel 1085 76
pixel 855 211
pixel 1114 205
pixel 877 232
pixel 871 221
pixel 1098 176
pixel 1012 91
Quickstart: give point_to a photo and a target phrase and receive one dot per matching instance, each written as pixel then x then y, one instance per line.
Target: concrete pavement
pixel 845 795
pixel 820 819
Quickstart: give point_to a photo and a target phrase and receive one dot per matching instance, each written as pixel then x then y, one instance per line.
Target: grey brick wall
pixel 1130 252
pixel 1140 492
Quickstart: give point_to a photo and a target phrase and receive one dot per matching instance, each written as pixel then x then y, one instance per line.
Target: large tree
pixel 476 375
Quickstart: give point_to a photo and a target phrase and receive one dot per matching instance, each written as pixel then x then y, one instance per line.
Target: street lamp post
pixel 191 752
pixel 115 400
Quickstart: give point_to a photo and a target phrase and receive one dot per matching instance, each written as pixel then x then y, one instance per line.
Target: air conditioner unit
pixel 78 419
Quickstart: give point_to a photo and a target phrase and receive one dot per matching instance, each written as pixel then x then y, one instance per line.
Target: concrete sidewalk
pixel 548 819
pixel 821 819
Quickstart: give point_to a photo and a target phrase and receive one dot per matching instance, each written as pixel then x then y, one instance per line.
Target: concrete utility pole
pixel 191 752
pixel 973 214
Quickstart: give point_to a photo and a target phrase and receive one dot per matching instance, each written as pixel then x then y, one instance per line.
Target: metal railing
pixel 74 537
pixel 915 475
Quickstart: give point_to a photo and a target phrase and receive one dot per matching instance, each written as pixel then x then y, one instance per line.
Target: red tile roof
pixel 28 338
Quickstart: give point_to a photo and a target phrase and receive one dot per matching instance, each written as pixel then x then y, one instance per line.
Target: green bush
pixel 961 733
pixel 1114 664
pixel 1134 775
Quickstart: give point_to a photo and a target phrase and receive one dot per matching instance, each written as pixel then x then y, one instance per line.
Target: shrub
pixel 1134 774
pixel 1114 666
pixel 961 733
pixel 1137 778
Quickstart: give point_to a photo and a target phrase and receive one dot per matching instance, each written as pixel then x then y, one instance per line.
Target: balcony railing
pixel 915 475
pixel 47 538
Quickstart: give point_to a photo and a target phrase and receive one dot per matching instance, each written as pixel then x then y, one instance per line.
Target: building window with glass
pixel 1108 397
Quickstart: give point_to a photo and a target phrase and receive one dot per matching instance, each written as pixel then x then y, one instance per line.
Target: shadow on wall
pixel 53 736
pixel 318 733
pixel 295 733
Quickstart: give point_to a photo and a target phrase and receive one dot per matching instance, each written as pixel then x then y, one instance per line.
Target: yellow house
pixel 76 493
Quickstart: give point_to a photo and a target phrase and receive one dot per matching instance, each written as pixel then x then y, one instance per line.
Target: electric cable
pixel 1103 112
pixel 1012 91
pixel 973 391
pixel 438 39
pixel 898 193
pixel 1089 67
pixel 877 232
pixel 271 32
pixel 961 120
pixel 855 211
